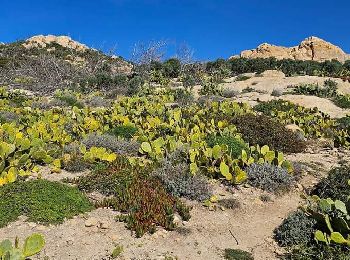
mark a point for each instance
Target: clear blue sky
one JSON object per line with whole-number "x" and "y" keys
{"x": 213, "y": 28}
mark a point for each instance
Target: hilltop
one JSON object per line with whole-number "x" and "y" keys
{"x": 312, "y": 48}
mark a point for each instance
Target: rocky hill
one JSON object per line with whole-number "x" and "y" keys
{"x": 46, "y": 63}
{"x": 312, "y": 48}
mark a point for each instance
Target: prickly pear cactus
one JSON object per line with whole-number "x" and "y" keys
{"x": 32, "y": 245}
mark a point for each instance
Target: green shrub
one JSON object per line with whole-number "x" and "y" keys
{"x": 269, "y": 177}
{"x": 342, "y": 101}
{"x": 237, "y": 254}
{"x": 279, "y": 105}
{"x": 296, "y": 229}
{"x": 262, "y": 130}
{"x": 242, "y": 78}
{"x": 172, "y": 68}
{"x": 125, "y": 131}
{"x": 235, "y": 145}
{"x": 317, "y": 252}
{"x": 41, "y": 201}
{"x": 343, "y": 122}
{"x": 335, "y": 185}
{"x": 69, "y": 99}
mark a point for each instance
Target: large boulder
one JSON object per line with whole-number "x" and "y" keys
{"x": 312, "y": 48}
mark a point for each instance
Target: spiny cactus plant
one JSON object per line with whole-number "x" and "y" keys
{"x": 32, "y": 246}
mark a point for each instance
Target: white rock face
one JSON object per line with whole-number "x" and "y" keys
{"x": 312, "y": 48}
{"x": 41, "y": 41}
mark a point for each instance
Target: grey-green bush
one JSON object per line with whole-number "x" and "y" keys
{"x": 296, "y": 229}
{"x": 179, "y": 182}
{"x": 269, "y": 177}
{"x": 112, "y": 143}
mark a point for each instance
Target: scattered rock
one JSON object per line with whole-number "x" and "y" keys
{"x": 91, "y": 222}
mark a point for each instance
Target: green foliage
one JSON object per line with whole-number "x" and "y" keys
{"x": 317, "y": 252}
{"x": 235, "y": 145}
{"x": 296, "y": 229}
{"x": 262, "y": 130}
{"x": 342, "y": 101}
{"x": 333, "y": 220}
{"x": 69, "y": 99}
{"x": 117, "y": 251}
{"x": 172, "y": 68}
{"x": 289, "y": 67}
{"x": 41, "y": 201}
{"x": 237, "y": 254}
{"x": 125, "y": 131}
{"x": 335, "y": 185}
{"x": 32, "y": 246}
{"x": 269, "y": 177}
{"x": 242, "y": 78}
{"x": 210, "y": 87}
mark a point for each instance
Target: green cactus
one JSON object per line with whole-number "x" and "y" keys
{"x": 32, "y": 246}
{"x": 333, "y": 219}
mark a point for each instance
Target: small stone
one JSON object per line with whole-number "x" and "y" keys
{"x": 70, "y": 242}
{"x": 31, "y": 224}
{"x": 104, "y": 225}
{"x": 114, "y": 237}
{"x": 41, "y": 228}
{"x": 222, "y": 208}
{"x": 91, "y": 222}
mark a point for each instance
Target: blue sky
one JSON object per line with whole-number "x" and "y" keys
{"x": 213, "y": 28}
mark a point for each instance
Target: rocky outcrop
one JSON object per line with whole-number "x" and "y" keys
{"x": 41, "y": 41}
{"x": 312, "y": 48}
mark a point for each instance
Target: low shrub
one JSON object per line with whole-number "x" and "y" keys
{"x": 183, "y": 96}
{"x": 335, "y": 185}
{"x": 242, "y": 78}
{"x": 112, "y": 143}
{"x": 125, "y": 131}
{"x": 277, "y": 92}
{"x": 278, "y": 105}
{"x": 143, "y": 199}
{"x": 269, "y": 177}
{"x": 262, "y": 130}
{"x": 75, "y": 163}
{"x": 230, "y": 93}
{"x": 235, "y": 145}
{"x": 237, "y": 254}
{"x": 69, "y": 99}
{"x": 41, "y": 201}
{"x": 179, "y": 182}
{"x": 317, "y": 252}
{"x": 8, "y": 117}
{"x": 296, "y": 229}
{"x": 98, "y": 101}
{"x": 146, "y": 205}
{"x": 343, "y": 122}
{"x": 342, "y": 101}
